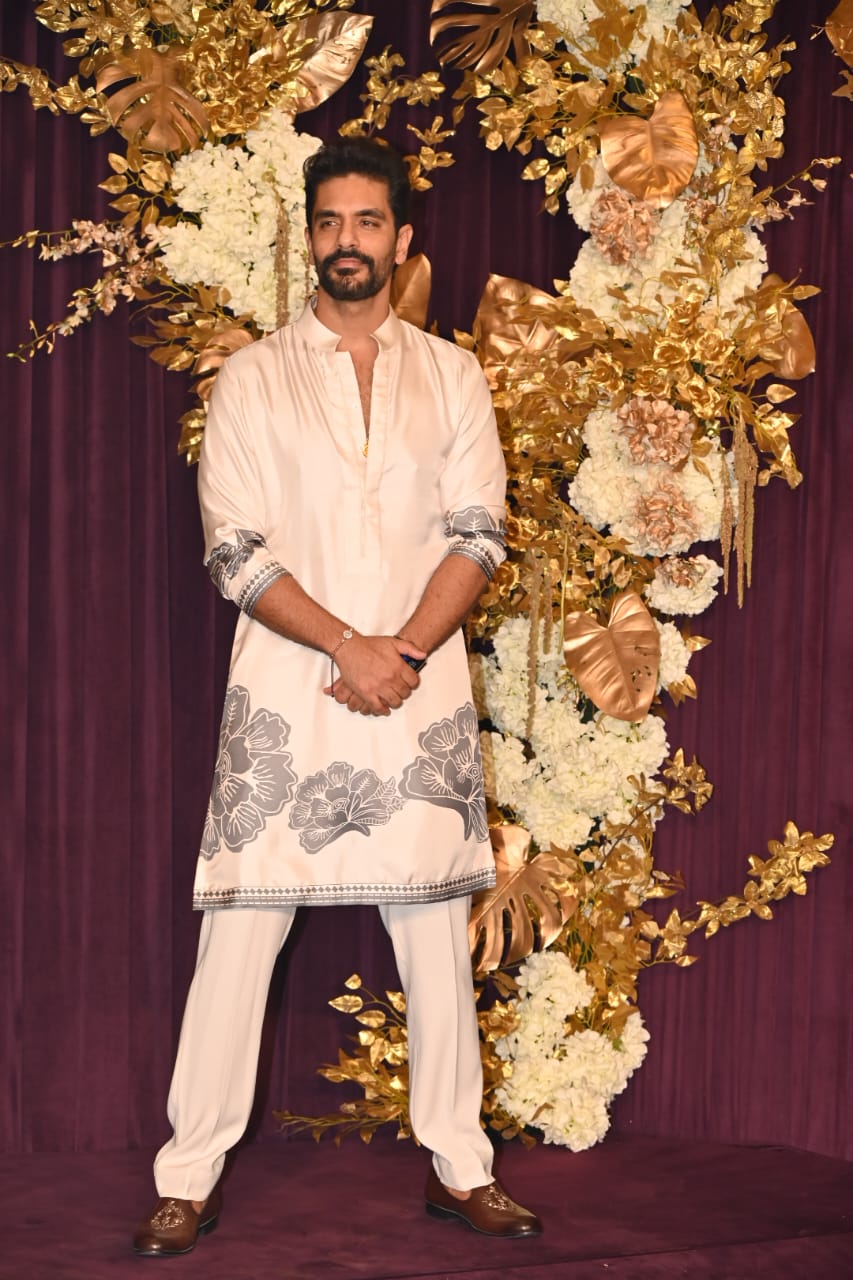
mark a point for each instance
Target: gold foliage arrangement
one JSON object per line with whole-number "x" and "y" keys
{"x": 686, "y": 361}
{"x": 692, "y": 119}
{"x": 171, "y": 77}
{"x": 606, "y": 932}
{"x": 648, "y": 134}
{"x": 218, "y": 66}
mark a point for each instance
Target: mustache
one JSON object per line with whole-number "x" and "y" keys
{"x": 348, "y": 253}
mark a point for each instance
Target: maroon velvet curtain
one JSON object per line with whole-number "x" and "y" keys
{"x": 117, "y": 651}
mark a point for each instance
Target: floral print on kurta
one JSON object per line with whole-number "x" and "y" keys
{"x": 450, "y": 772}
{"x": 339, "y": 799}
{"x": 253, "y": 778}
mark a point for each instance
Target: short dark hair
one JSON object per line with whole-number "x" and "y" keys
{"x": 359, "y": 155}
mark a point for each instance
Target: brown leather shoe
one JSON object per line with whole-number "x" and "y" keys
{"x": 487, "y": 1209}
{"x": 173, "y": 1226}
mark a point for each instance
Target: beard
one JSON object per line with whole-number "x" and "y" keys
{"x": 345, "y": 285}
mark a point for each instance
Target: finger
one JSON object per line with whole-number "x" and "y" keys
{"x": 405, "y": 646}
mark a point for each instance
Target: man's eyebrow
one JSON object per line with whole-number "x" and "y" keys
{"x": 359, "y": 213}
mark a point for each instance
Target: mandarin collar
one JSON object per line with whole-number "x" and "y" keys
{"x": 317, "y": 335}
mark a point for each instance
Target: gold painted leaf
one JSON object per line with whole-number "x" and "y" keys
{"x": 210, "y": 359}
{"x": 796, "y": 356}
{"x": 372, "y": 1018}
{"x": 839, "y": 28}
{"x": 653, "y": 159}
{"x": 616, "y": 666}
{"x": 526, "y": 891}
{"x": 479, "y": 31}
{"x": 778, "y": 393}
{"x": 353, "y": 982}
{"x": 397, "y": 1000}
{"x": 338, "y": 40}
{"x": 347, "y": 1004}
{"x": 155, "y": 109}
{"x": 410, "y": 290}
{"x": 506, "y": 322}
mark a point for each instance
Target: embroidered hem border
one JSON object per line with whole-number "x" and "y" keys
{"x": 342, "y": 894}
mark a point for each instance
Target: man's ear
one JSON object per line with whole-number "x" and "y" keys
{"x": 404, "y": 239}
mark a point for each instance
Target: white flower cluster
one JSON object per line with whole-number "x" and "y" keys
{"x": 593, "y": 276}
{"x": 658, "y": 510}
{"x": 579, "y": 770}
{"x": 562, "y": 1084}
{"x": 574, "y": 16}
{"x": 674, "y": 655}
{"x": 684, "y": 587}
{"x": 230, "y": 242}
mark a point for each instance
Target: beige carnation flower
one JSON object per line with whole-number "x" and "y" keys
{"x": 622, "y": 227}
{"x": 665, "y": 518}
{"x": 655, "y": 431}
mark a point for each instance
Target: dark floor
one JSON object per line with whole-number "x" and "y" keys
{"x": 636, "y": 1209}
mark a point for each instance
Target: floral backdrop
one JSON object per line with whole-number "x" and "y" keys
{"x": 639, "y": 405}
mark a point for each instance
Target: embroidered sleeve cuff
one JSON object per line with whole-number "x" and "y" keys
{"x": 476, "y": 533}
{"x": 242, "y": 568}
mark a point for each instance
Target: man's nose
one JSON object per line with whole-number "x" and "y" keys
{"x": 347, "y": 235}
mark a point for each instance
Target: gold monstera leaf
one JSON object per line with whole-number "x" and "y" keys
{"x": 221, "y": 344}
{"x": 540, "y": 882}
{"x": 480, "y": 31}
{"x": 337, "y": 42}
{"x": 410, "y": 289}
{"x": 616, "y": 666}
{"x": 155, "y": 108}
{"x": 796, "y": 349}
{"x": 839, "y": 28}
{"x": 652, "y": 159}
{"x": 507, "y": 322}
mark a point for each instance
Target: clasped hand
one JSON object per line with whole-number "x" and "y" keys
{"x": 374, "y": 680}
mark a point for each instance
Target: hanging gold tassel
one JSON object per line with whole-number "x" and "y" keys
{"x": 551, "y": 580}
{"x": 746, "y": 474}
{"x": 535, "y": 593}
{"x": 739, "y": 533}
{"x": 727, "y": 526}
{"x": 282, "y": 267}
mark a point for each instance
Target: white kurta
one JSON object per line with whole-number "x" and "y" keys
{"x": 310, "y": 802}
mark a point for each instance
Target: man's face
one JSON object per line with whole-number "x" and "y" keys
{"x": 352, "y": 241}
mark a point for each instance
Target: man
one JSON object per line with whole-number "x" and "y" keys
{"x": 352, "y": 493}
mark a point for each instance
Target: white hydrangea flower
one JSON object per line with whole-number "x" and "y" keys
{"x": 573, "y": 18}
{"x": 578, "y": 770}
{"x": 235, "y": 193}
{"x": 611, "y": 491}
{"x": 674, "y": 655}
{"x": 563, "y": 1083}
{"x": 693, "y": 594}
{"x": 592, "y": 277}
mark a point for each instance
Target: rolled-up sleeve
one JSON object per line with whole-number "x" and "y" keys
{"x": 474, "y": 479}
{"x": 232, "y": 502}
